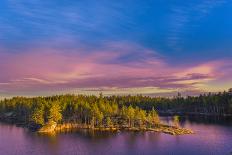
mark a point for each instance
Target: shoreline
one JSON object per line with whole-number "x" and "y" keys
{"x": 162, "y": 113}
{"x": 66, "y": 127}
{"x": 162, "y": 128}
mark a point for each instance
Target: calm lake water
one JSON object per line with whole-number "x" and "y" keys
{"x": 211, "y": 138}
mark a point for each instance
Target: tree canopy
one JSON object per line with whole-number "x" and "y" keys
{"x": 111, "y": 110}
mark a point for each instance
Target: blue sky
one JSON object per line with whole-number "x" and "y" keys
{"x": 178, "y": 33}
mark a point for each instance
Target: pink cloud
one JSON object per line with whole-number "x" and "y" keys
{"x": 43, "y": 68}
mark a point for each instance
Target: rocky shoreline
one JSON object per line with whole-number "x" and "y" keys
{"x": 52, "y": 127}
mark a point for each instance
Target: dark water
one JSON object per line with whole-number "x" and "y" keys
{"x": 212, "y": 137}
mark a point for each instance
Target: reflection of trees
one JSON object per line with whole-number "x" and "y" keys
{"x": 218, "y": 120}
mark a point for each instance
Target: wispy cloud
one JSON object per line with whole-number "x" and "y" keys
{"x": 186, "y": 17}
{"x": 107, "y": 46}
{"x": 50, "y": 68}
{"x": 83, "y": 20}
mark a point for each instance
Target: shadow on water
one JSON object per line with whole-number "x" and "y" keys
{"x": 90, "y": 134}
{"x": 219, "y": 120}
{"x": 207, "y": 120}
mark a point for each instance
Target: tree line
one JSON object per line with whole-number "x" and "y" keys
{"x": 110, "y": 111}
{"x": 86, "y": 110}
{"x": 209, "y": 104}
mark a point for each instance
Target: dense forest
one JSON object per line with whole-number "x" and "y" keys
{"x": 132, "y": 111}
{"x": 87, "y": 110}
{"x": 205, "y": 104}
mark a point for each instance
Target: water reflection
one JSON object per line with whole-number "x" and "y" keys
{"x": 214, "y": 136}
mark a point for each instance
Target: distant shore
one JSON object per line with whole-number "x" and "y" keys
{"x": 165, "y": 113}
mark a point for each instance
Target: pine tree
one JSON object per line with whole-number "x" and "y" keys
{"x": 130, "y": 115}
{"x": 155, "y": 117}
{"x": 109, "y": 123}
{"x": 176, "y": 121}
{"x": 37, "y": 116}
{"x": 55, "y": 112}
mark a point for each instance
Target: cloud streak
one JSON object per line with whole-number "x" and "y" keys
{"x": 50, "y": 68}
{"x": 187, "y": 17}
{"x": 125, "y": 46}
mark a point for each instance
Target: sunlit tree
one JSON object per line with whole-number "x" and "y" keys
{"x": 55, "y": 112}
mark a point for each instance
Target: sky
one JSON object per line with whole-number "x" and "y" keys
{"x": 148, "y": 47}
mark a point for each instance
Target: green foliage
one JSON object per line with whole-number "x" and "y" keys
{"x": 109, "y": 123}
{"x": 38, "y": 116}
{"x": 154, "y": 117}
{"x": 176, "y": 121}
{"x": 130, "y": 114}
{"x": 128, "y": 111}
{"x": 140, "y": 116}
{"x": 149, "y": 120}
{"x": 55, "y": 112}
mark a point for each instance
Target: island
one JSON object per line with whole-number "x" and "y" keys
{"x": 75, "y": 112}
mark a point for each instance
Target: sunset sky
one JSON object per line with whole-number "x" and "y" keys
{"x": 149, "y": 47}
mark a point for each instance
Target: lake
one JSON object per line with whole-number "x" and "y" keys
{"x": 213, "y": 137}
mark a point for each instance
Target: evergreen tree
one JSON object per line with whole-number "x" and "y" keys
{"x": 155, "y": 117}
{"x": 37, "y": 116}
{"x": 109, "y": 123}
{"x": 176, "y": 121}
{"x": 55, "y": 112}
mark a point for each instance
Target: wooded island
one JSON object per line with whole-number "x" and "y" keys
{"x": 113, "y": 113}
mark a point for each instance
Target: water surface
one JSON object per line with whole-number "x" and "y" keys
{"x": 213, "y": 137}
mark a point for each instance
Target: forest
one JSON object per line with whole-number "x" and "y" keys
{"x": 218, "y": 104}
{"x": 87, "y": 110}
{"x": 110, "y": 111}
